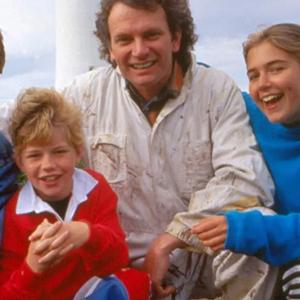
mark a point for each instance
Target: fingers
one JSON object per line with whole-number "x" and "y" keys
{"x": 207, "y": 224}
{"x": 163, "y": 291}
{"x": 212, "y": 231}
{"x": 216, "y": 243}
{"x": 41, "y": 246}
{"x": 52, "y": 230}
{"x": 56, "y": 255}
{"x": 60, "y": 240}
{"x": 39, "y": 230}
{"x": 45, "y": 230}
{"x": 51, "y": 243}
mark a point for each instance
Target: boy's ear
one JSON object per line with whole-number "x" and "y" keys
{"x": 79, "y": 152}
{"x": 18, "y": 161}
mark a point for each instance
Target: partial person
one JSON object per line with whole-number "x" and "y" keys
{"x": 8, "y": 169}
{"x": 173, "y": 139}
{"x": 61, "y": 231}
{"x": 272, "y": 57}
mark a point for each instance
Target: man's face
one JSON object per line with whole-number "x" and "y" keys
{"x": 142, "y": 46}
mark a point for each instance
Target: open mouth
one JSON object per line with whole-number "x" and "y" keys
{"x": 270, "y": 99}
{"x": 143, "y": 65}
{"x": 50, "y": 178}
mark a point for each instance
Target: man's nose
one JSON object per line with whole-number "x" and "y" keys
{"x": 140, "y": 48}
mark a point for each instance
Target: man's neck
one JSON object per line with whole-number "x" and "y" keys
{"x": 152, "y": 106}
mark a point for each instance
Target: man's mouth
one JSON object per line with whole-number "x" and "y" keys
{"x": 143, "y": 65}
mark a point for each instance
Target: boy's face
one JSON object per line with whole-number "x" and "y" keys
{"x": 50, "y": 167}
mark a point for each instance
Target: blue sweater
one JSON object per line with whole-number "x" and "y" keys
{"x": 275, "y": 239}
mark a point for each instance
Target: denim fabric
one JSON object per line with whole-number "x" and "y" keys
{"x": 8, "y": 176}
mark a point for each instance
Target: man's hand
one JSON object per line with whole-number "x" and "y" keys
{"x": 212, "y": 231}
{"x": 157, "y": 263}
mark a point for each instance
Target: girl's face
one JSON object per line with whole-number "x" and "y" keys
{"x": 274, "y": 82}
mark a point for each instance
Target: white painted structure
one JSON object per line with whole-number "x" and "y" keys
{"x": 76, "y": 45}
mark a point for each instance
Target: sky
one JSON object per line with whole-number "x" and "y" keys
{"x": 222, "y": 25}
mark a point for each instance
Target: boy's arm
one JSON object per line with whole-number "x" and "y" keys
{"x": 105, "y": 250}
{"x": 274, "y": 239}
{"x": 21, "y": 284}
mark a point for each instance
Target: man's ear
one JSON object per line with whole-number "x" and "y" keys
{"x": 177, "y": 41}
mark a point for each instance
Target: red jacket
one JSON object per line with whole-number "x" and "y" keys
{"x": 104, "y": 253}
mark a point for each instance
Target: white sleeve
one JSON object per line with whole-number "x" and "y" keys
{"x": 241, "y": 179}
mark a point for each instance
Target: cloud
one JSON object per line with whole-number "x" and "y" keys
{"x": 28, "y": 28}
{"x": 224, "y": 54}
{"x": 223, "y": 25}
{"x": 29, "y": 32}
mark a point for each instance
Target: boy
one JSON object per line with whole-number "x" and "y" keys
{"x": 61, "y": 229}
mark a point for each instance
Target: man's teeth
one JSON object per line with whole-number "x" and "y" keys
{"x": 143, "y": 66}
{"x": 271, "y": 98}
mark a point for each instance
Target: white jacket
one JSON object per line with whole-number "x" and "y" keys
{"x": 200, "y": 156}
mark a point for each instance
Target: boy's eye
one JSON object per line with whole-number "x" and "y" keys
{"x": 32, "y": 156}
{"x": 61, "y": 151}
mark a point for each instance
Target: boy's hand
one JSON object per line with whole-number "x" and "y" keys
{"x": 48, "y": 246}
{"x": 212, "y": 231}
{"x": 79, "y": 233}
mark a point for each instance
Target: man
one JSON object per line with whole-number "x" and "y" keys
{"x": 173, "y": 139}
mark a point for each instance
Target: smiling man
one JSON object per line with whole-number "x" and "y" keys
{"x": 172, "y": 138}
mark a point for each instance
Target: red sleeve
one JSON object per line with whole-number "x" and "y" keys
{"x": 106, "y": 250}
{"x": 22, "y": 284}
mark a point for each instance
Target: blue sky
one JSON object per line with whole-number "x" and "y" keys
{"x": 29, "y": 31}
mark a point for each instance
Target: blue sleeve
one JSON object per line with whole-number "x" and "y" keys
{"x": 8, "y": 170}
{"x": 8, "y": 176}
{"x": 274, "y": 239}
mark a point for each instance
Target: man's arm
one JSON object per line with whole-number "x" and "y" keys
{"x": 241, "y": 179}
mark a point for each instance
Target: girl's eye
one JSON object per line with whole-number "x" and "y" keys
{"x": 276, "y": 69}
{"x": 252, "y": 76}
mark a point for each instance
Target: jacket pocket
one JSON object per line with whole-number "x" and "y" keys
{"x": 197, "y": 169}
{"x": 108, "y": 156}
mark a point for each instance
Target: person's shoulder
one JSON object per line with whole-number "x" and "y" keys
{"x": 95, "y": 75}
{"x": 210, "y": 76}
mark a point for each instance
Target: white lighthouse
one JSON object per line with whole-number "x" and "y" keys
{"x": 76, "y": 45}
